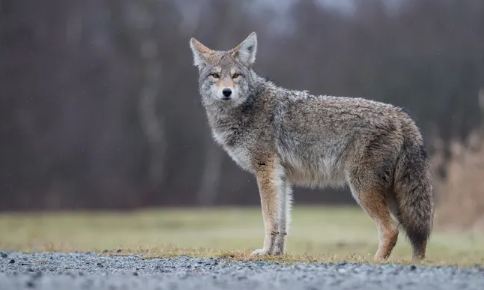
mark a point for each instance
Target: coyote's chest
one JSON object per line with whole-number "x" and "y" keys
{"x": 237, "y": 151}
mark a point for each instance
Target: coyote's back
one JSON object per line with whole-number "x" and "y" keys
{"x": 290, "y": 137}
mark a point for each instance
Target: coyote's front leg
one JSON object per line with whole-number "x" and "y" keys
{"x": 274, "y": 204}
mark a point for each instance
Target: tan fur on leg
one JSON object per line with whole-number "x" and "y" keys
{"x": 374, "y": 204}
{"x": 270, "y": 182}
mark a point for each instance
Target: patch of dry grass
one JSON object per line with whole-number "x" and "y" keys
{"x": 320, "y": 234}
{"x": 461, "y": 194}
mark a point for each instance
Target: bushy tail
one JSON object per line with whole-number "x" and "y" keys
{"x": 413, "y": 190}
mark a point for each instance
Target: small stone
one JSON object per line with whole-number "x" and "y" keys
{"x": 3, "y": 255}
{"x": 100, "y": 265}
{"x": 12, "y": 261}
{"x": 413, "y": 268}
{"x": 135, "y": 274}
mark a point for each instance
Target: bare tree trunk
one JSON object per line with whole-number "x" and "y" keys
{"x": 142, "y": 35}
{"x": 208, "y": 190}
{"x": 152, "y": 123}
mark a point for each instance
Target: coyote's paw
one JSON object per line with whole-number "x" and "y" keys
{"x": 277, "y": 251}
{"x": 260, "y": 252}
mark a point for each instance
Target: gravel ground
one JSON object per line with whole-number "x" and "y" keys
{"x": 90, "y": 271}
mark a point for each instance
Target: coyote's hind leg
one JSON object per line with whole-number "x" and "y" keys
{"x": 374, "y": 204}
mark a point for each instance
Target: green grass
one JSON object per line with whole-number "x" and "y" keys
{"x": 317, "y": 234}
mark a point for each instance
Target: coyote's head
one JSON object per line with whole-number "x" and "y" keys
{"x": 225, "y": 76}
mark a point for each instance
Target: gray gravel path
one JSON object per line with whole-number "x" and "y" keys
{"x": 90, "y": 271}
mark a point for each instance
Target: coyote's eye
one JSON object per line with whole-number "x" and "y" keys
{"x": 236, "y": 75}
{"x": 215, "y": 75}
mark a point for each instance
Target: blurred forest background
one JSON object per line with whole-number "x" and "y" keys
{"x": 99, "y": 102}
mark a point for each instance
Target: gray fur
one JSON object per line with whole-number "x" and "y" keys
{"x": 320, "y": 140}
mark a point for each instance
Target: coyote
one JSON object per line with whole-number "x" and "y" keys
{"x": 286, "y": 137}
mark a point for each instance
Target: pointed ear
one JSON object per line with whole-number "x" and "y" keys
{"x": 245, "y": 52}
{"x": 200, "y": 52}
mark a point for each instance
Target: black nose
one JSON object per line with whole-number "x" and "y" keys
{"x": 227, "y": 92}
